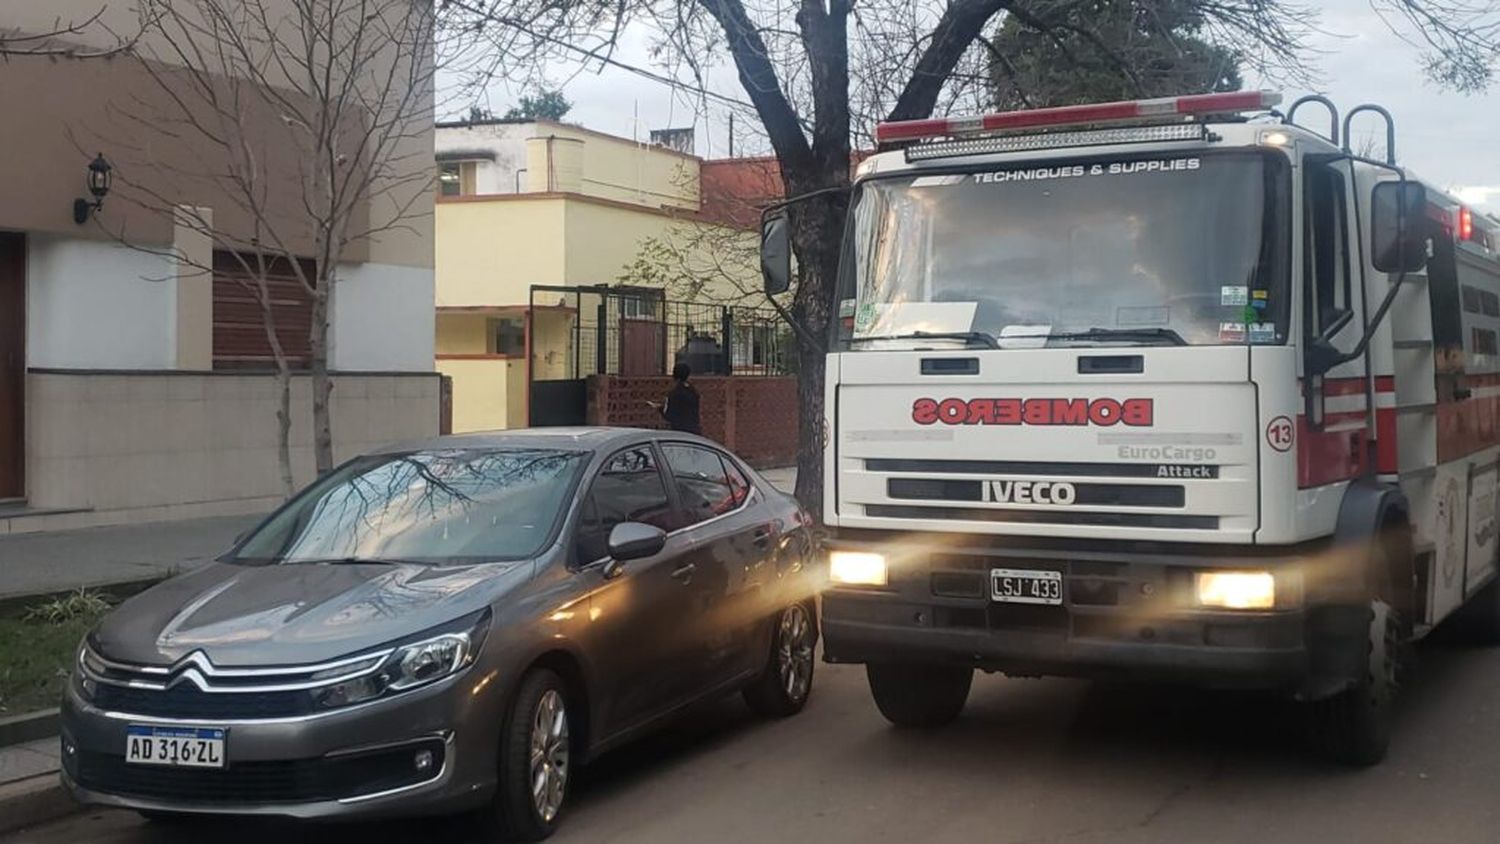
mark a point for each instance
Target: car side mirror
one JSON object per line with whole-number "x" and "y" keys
{"x": 775, "y": 253}
{"x": 634, "y": 541}
{"x": 1398, "y": 215}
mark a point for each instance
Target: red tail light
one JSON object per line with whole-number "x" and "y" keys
{"x": 940, "y": 127}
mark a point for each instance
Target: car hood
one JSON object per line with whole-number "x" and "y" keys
{"x": 295, "y": 614}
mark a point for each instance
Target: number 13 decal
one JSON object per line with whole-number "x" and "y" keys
{"x": 1281, "y": 433}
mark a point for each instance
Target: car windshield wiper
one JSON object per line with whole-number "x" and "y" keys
{"x": 1139, "y": 334}
{"x": 352, "y": 561}
{"x": 980, "y": 337}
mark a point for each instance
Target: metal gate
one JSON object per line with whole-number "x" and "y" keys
{"x": 576, "y": 332}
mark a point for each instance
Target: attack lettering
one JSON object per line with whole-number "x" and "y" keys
{"x": 1102, "y": 413}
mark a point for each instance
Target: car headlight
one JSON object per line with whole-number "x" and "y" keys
{"x": 412, "y": 665}
{"x": 1237, "y": 590}
{"x": 857, "y": 568}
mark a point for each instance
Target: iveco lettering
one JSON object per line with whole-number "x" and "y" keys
{"x": 1182, "y": 389}
{"x": 449, "y": 626}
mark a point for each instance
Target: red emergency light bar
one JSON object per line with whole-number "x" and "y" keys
{"x": 1465, "y": 223}
{"x": 1233, "y": 102}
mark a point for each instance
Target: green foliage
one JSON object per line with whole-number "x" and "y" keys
{"x": 1106, "y": 50}
{"x": 544, "y": 105}
{"x": 82, "y": 603}
{"x": 37, "y": 649}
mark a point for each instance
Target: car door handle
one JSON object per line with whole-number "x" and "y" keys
{"x": 684, "y": 573}
{"x": 761, "y": 538}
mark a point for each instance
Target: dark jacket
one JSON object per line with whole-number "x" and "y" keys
{"x": 681, "y": 409}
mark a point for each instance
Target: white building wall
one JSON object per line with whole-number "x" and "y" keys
{"x": 506, "y": 142}
{"x": 98, "y": 305}
{"x": 383, "y": 319}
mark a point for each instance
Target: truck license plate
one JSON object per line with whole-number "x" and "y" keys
{"x": 1022, "y": 586}
{"x": 177, "y": 747}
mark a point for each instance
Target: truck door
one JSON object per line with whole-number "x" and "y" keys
{"x": 1334, "y": 427}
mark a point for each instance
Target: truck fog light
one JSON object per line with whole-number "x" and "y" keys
{"x": 1237, "y": 590}
{"x": 857, "y": 568}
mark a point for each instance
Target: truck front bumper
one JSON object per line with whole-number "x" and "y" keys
{"x": 1128, "y": 611}
{"x": 1209, "y": 649}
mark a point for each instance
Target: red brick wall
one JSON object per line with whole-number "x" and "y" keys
{"x": 755, "y": 418}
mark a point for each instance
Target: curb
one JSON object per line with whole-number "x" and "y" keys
{"x": 119, "y": 590}
{"x": 34, "y": 801}
{"x": 32, "y": 726}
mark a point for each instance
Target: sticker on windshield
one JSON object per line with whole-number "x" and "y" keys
{"x": 1075, "y": 171}
{"x": 1235, "y": 295}
{"x": 864, "y": 316}
{"x": 1262, "y": 332}
{"x": 1231, "y": 332}
{"x": 937, "y": 181}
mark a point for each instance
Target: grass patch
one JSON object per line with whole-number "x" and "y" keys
{"x": 37, "y": 646}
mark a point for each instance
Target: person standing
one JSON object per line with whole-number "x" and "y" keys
{"x": 681, "y": 406}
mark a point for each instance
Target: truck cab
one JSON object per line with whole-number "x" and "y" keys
{"x": 1113, "y": 392}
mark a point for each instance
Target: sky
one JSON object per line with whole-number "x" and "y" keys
{"x": 1450, "y": 140}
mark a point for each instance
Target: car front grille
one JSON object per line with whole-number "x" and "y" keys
{"x": 250, "y": 783}
{"x": 185, "y": 700}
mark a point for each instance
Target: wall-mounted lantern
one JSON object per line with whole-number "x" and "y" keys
{"x": 99, "y": 181}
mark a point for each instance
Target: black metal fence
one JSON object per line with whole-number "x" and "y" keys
{"x": 581, "y": 331}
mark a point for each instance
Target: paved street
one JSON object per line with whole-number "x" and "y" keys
{"x": 1031, "y": 761}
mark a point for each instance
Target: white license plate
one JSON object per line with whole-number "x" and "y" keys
{"x": 177, "y": 747}
{"x": 1024, "y": 586}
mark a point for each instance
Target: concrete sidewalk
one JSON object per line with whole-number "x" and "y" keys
{"x": 53, "y": 561}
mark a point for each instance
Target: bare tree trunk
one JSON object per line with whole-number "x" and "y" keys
{"x": 284, "y": 427}
{"x": 322, "y": 385}
{"x": 817, "y": 225}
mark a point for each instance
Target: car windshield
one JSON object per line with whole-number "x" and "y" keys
{"x": 1158, "y": 251}
{"x": 434, "y": 507}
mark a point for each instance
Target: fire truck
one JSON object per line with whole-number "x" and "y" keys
{"x": 1179, "y": 389}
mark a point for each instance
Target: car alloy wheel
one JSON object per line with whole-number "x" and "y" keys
{"x": 794, "y": 652}
{"x": 549, "y": 755}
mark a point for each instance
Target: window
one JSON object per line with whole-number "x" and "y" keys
{"x": 508, "y": 336}
{"x": 239, "y": 329}
{"x": 1484, "y": 341}
{"x": 1327, "y": 248}
{"x": 437, "y": 507}
{"x": 456, "y": 178}
{"x": 628, "y": 488}
{"x": 1472, "y": 300}
{"x": 703, "y": 483}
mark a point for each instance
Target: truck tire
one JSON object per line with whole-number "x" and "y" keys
{"x": 1353, "y": 727}
{"x": 916, "y": 695}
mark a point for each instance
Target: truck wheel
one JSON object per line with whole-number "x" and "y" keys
{"x": 915, "y": 695}
{"x": 1354, "y": 726}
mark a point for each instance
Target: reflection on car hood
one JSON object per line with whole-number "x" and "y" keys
{"x": 295, "y": 614}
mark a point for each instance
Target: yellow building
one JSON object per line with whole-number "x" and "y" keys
{"x": 539, "y": 203}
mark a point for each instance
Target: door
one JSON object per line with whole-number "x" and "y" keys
{"x": 732, "y": 552}
{"x": 647, "y": 620}
{"x": 12, "y": 365}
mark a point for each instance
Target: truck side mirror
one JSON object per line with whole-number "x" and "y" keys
{"x": 775, "y": 253}
{"x": 1398, "y": 215}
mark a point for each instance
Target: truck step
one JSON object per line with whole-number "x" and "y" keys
{"x": 1412, "y": 344}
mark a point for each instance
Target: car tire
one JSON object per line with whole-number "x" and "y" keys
{"x": 1354, "y": 726}
{"x": 915, "y": 695}
{"x": 782, "y": 689}
{"x": 532, "y": 789}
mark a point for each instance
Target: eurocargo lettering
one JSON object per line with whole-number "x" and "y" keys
{"x": 1139, "y": 366}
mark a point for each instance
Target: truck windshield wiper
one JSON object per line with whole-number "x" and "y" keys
{"x": 980, "y": 337}
{"x": 1140, "y": 334}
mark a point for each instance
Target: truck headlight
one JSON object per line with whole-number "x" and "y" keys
{"x": 1237, "y": 590}
{"x": 857, "y": 568}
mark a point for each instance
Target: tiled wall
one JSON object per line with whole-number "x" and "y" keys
{"x": 140, "y": 447}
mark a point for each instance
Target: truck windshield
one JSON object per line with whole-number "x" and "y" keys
{"x": 1125, "y": 252}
